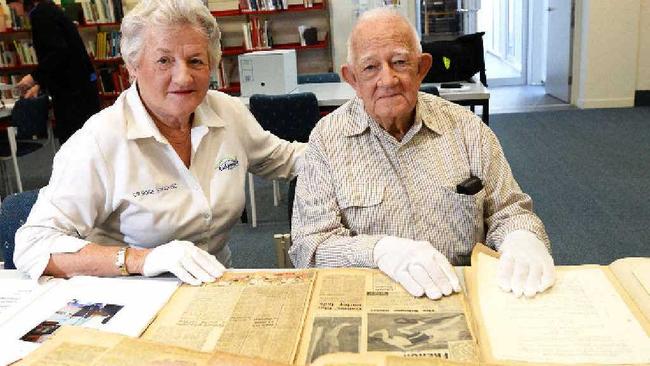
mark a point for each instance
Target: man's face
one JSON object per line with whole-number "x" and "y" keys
{"x": 387, "y": 69}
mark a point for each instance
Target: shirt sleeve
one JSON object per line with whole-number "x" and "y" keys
{"x": 67, "y": 208}
{"x": 269, "y": 156}
{"x": 319, "y": 238}
{"x": 506, "y": 208}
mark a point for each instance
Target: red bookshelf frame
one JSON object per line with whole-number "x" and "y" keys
{"x": 292, "y": 8}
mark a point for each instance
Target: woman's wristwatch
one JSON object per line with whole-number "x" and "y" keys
{"x": 120, "y": 261}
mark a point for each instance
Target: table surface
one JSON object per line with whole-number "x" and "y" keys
{"x": 336, "y": 94}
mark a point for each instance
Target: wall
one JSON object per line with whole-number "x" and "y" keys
{"x": 643, "y": 75}
{"x": 608, "y": 53}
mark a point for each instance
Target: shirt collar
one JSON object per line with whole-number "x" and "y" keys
{"x": 141, "y": 125}
{"x": 426, "y": 111}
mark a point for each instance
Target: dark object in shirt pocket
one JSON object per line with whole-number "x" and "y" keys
{"x": 470, "y": 186}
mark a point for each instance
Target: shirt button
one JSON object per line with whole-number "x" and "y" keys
{"x": 206, "y": 215}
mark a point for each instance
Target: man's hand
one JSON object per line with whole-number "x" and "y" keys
{"x": 417, "y": 266}
{"x": 25, "y": 84}
{"x": 182, "y": 258}
{"x": 525, "y": 267}
{"x": 32, "y": 92}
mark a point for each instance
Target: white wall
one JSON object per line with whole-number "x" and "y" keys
{"x": 643, "y": 75}
{"x": 608, "y": 55}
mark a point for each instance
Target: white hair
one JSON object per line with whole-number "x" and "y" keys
{"x": 164, "y": 13}
{"x": 381, "y": 13}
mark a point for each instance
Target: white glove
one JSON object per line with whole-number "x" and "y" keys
{"x": 417, "y": 266}
{"x": 525, "y": 265}
{"x": 182, "y": 258}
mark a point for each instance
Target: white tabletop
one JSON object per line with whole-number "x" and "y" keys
{"x": 336, "y": 94}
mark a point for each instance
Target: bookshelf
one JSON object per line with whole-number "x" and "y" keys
{"x": 312, "y": 58}
{"x": 283, "y": 31}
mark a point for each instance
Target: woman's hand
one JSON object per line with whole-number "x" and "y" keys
{"x": 187, "y": 262}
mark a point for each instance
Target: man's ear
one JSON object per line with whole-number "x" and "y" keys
{"x": 424, "y": 65}
{"x": 348, "y": 75}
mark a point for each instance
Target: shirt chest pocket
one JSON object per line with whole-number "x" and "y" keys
{"x": 456, "y": 221}
{"x": 362, "y": 206}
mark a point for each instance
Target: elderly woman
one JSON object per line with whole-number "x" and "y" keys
{"x": 155, "y": 182}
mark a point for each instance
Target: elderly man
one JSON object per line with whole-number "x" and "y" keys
{"x": 409, "y": 182}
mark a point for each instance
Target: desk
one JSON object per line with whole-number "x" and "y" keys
{"x": 336, "y": 94}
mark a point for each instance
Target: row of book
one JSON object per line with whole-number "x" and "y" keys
{"x": 17, "y": 52}
{"x": 113, "y": 79}
{"x": 219, "y": 79}
{"x": 257, "y": 35}
{"x": 99, "y": 11}
{"x": 255, "y": 5}
{"x": 106, "y": 45}
{"x": 12, "y": 16}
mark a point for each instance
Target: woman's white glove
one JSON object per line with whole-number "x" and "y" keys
{"x": 417, "y": 266}
{"x": 525, "y": 267}
{"x": 182, "y": 258}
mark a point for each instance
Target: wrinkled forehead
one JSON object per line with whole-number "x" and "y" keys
{"x": 387, "y": 36}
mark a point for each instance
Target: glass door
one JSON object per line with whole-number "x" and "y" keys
{"x": 505, "y": 25}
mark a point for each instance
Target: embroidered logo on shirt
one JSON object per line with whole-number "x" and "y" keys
{"x": 155, "y": 190}
{"x": 228, "y": 163}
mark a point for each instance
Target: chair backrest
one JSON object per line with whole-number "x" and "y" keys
{"x": 30, "y": 116}
{"x": 288, "y": 116}
{"x": 13, "y": 213}
{"x": 431, "y": 89}
{"x": 456, "y": 60}
{"x": 326, "y": 77}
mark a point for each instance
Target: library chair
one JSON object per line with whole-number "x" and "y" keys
{"x": 288, "y": 116}
{"x": 13, "y": 214}
{"x": 430, "y": 89}
{"x": 326, "y": 77}
{"x": 29, "y": 124}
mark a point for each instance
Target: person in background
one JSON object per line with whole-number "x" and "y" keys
{"x": 155, "y": 182}
{"x": 64, "y": 68}
{"x": 408, "y": 182}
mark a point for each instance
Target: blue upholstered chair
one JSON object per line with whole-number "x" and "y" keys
{"x": 431, "y": 89}
{"x": 326, "y": 77}
{"x": 13, "y": 213}
{"x": 288, "y": 116}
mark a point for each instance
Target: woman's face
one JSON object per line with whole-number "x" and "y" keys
{"x": 173, "y": 73}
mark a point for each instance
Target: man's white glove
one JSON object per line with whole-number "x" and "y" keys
{"x": 525, "y": 267}
{"x": 182, "y": 258}
{"x": 417, "y": 266}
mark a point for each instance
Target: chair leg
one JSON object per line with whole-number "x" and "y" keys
{"x": 251, "y": 194}
{"x": 276, "y": 193}
{"x": 13, "y": 147}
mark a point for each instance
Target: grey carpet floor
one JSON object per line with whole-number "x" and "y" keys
{"x": 588, "y": 172}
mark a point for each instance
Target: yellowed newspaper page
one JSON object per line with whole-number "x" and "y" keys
{"x": 583, "y": 318}
{"x": 363, "y": 310}
{"x": 247, "y": 313}
{"x": 382, "y": 359}
{"x": 72, "y": 346}
{"x": 634, "y": 276}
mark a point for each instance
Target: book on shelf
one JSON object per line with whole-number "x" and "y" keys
{"x": 12, "y": 80}
{"x": 592, "y": 315}
{"x": 105, "y": 46}
{"x": 113, "y": 79}
{"x": 257, "y": 35}
{"x": 223, "y": 5}
{"x": 101, "y": 11}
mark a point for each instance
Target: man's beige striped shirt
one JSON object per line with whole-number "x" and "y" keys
{"x": 358, "y": 184}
